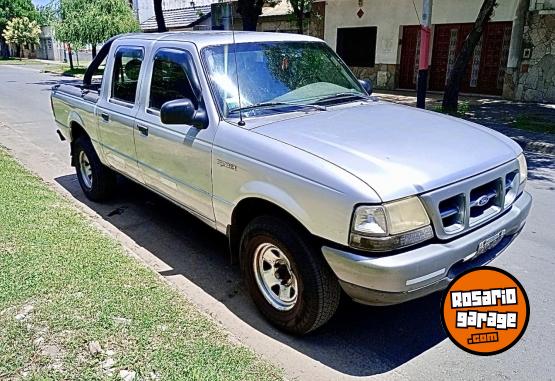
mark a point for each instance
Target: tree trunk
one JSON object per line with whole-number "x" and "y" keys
{"x": 4, "y": 49}
{"x": 69, "y": 56}
{"x": 453, "y": 86}
{"x": 159, "y": 14}
{"x": 299, "y": 7}
{"x": 249, "y": 11}
{"x": 20, "y": 51}
{"x": 250, "y": 21}
{"x": 300, "y": 22}
{"x": 93, "y": 51}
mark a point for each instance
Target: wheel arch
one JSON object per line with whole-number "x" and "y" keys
{"x": 74, "y": 120}
{"x": 76, "y": 131}
{"x": 249, "y": 208}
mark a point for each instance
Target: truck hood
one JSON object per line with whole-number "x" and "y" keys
{"x": 397, "y": 150}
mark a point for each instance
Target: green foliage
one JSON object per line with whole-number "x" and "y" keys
{"x": 84, "y": 287}
{"x": 85, "y": 22}
{"x": 21, "y": 31}
{"x": 463, "y": 108}
{"x": 535, "y": 123}
{"x": 295, "y": 66}
{"x": 48, "y": 14}
{"x": 300, "y": 9}
{"x": 10, "y": 9}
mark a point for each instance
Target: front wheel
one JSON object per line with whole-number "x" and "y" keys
{"x": 289, "y": 281}
{"x": 97, "y": 181}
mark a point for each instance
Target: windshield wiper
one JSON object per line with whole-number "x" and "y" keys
{"x": 274, "y": 104}
{"x": 341, "y": 96}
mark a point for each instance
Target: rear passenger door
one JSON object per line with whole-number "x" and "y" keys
{"x": 174, "y": 159}
{"x": 116, "y": 110}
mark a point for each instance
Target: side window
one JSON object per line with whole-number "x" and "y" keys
{"x": 171, "y": 75}
{"x": 127, "y": 66}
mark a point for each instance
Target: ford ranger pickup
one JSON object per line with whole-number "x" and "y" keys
{"x": 321, "y": 188}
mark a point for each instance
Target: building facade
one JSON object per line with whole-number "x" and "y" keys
{"x": 213, "y": 14}
{"x": 381, "y": 41}
{"x": 187, "y": 18}
{"x": 49, "y": 48}
{"x": 145, "y": 8}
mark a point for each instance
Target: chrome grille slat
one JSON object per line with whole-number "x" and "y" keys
{"x": 449, "y": 212}
{"x": 470, "y": 203}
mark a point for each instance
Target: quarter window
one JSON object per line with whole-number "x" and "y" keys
{"x": 127, "y": 66}
{"x": 171, "y": 78}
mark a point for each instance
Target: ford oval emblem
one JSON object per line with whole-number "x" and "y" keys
{"x": 482, "y": 200}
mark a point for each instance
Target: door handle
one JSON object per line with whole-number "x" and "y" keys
{"x": 142, "y": 129}
{"x": 105, "y": 117}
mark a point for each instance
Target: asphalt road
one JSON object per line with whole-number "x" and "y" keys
{"x": 400, "y": 342}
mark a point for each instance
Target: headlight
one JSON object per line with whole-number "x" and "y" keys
{"x": 523, "y": 170}
{"x": 390, "y": 226}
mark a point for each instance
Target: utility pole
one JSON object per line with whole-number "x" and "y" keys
{"x": 425, "y": 32}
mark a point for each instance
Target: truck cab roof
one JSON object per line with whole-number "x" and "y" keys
{"x": 217, "y": 37}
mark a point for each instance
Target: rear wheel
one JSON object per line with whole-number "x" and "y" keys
{"x": 97, "y": 181}
{"x": 289, "y": 281}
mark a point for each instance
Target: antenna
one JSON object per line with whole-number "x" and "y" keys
{"x": 241, "y": 121}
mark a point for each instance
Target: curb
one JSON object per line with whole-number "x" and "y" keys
{"x": 58, "y": 73}
{"x": 534, "y": 145}
{"x": 533, "y": 142}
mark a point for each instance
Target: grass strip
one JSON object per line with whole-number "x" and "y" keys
{"x": 64, "y": 285}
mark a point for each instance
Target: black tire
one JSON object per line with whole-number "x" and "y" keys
{"x": 318, "y": 288}
{"x": 103, "y": 178}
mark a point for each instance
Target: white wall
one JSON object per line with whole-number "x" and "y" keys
{"x": 145, "y": 8}
{"x": 389, "y": 15}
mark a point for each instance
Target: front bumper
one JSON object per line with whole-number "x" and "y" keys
{"x": 414, "y": 273}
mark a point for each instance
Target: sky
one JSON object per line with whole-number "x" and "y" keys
{"x": 41, "y": 2}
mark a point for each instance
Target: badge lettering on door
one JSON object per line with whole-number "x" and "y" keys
{"x": 226, "y": 164}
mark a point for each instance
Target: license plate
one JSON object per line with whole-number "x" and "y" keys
{"x": 490, "y": 243}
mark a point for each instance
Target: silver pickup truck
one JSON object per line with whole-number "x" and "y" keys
{"x": 321, "y": 188}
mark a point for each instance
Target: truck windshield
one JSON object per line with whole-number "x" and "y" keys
{"x": 278, "y": 77}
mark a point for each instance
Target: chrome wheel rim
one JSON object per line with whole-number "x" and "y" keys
{"x": 274, "y": 277}
{"x": 85, "y": 169}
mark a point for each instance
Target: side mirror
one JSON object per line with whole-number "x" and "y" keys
{"x": 366, "y": 85}
{"x": 182, "y": 111}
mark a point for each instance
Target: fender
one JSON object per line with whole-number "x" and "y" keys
{"x": 74, "y": 117}
{"x": 254, "y": 190}
{"x": 275, "y": 195}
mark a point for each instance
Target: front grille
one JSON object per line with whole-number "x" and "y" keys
{"x": 452, "y": 212}
{"x": 485, "y": 201}
{"x": 511, "y": 187}
{"x": 465, "y": 205}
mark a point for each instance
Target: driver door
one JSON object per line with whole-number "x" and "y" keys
{"x": 175, "y": 160}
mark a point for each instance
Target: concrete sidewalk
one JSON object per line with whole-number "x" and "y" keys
{"x": 496, "y": 113}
